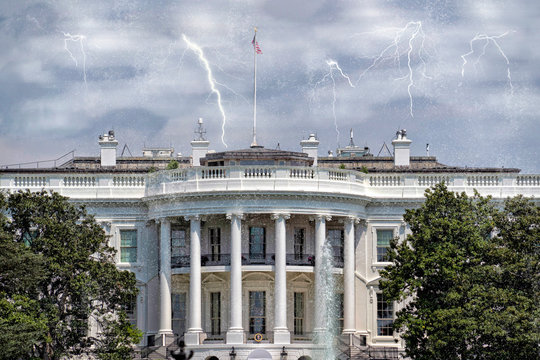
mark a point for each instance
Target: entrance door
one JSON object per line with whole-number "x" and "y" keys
{"x": 259, "y": 354}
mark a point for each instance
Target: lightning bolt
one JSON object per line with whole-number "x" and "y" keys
{"x": 198, "y": 51}
{"x": 78, "y": 39}
{"x": 332, "y": 64}
{"x": 410, "y": 33}
{"x": 487, "y": 40}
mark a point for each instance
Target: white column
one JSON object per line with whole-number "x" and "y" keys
{"x": 192, "y": 337}
{"x": 281, "y": 333}
{"x": 348, "y": 277}
{"x": 235, "y": 334}
{"x": 320, "y": 306}
{"x": 165, "y": 311}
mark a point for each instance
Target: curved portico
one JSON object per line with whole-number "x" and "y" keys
{"x": 271, "y": 211}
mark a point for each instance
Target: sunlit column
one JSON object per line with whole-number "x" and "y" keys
{"x": 192, "y": 336}
{"x": 165, "y": 318}
{"x": 348, "y": 277}
{"x": 320, "y": 306}
{"x": 281, "y": 333}
{"x": 235, "y": 334}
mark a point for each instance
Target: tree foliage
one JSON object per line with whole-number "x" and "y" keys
{"x": 60, "y": 279}
{"x": 468, "y": 276}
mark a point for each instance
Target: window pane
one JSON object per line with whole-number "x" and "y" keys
{"x": 179, "y": 313}
{"x": 257, "y": 244}
{"x": 385, "y": 312}
{"x": 128, "y": 245}
{"x": 257, "y": 312}
{"x": 299, "y": 243}
{"x": 383, "y": 243}
{"x": 179, "y": 243}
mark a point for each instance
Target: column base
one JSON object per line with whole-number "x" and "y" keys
{"x": 282, "y": 337}
{"x": 235, "y": 337}
{"x": 167, "y": 337}
{"x": 194, "y": 337}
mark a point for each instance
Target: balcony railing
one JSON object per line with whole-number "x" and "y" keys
{"x": 183, "y": 261}
{"x": 258, "y": 259}
{"x": 301, "y": 259}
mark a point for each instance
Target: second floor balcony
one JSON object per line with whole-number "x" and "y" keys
{"x": 183, "y": 261}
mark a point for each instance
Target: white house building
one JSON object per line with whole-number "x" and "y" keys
{"x": 227, "y": 247}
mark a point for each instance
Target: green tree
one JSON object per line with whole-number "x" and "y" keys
{"x": 468, "y": 278}
{"x": 173, "y": 164}
{"x": 77, "y": 279}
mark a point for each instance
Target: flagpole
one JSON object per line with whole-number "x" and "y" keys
{"x": 254, "y": 143}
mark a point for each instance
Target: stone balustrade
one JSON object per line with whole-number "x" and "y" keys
{"x": 270, "y": 178}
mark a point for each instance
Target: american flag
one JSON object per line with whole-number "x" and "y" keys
{"x": 256, "y": 45}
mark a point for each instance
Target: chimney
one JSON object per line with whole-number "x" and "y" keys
{"x": 402, "y": 149}
{"x": 199, "y": 146}
{"x": 311, "y": 147}
{"x": 108, "y": 145}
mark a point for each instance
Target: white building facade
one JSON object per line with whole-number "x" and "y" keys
{"x": 226, "y": 253}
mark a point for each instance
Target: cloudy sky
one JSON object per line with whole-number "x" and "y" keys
{"x": 463, "y": 76}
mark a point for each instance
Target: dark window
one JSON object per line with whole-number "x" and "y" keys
{"x": 385, "y": 314}
{"x": 383, "y": 243}
{"x": 299, "y": 243}
{"x": 131, "y": 310}
{"x": 299, "y": 313}
{"x": 340, "y": 313}
{"x": 128, "y": 245}
{"x": 257, "y": 312}
{"x": 179, "y": 242}
{"x": 215, "y": 312}
{"x": 215, "y": 243}
{"x": 257, "y": 243}
{"x": 179, "y": 313}
{"x": 335, "y": 237}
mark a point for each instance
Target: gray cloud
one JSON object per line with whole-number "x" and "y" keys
{"x": 142, "y": 80}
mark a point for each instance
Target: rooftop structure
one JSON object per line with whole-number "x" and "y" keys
{"x": 227, "y": 248}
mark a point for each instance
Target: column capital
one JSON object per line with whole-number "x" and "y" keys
{"x": 162, "y": 219}
{"x": 241, "y": 216}
{"x": 276, "y": 216}
{"x": 349, "y": 219}
{"x": 320, "y": 217}
{"x": 192, "y": 217}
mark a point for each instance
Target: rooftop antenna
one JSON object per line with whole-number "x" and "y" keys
{"x": 126, "y": 147}
{"x": 351, "y": 143}
{"x": 256, "y": 50}
{"x": 427, "y": 149}
{"x": 200, "y": 131}
{"x": 277, "y": 147}
{"x": 384, "y": 146}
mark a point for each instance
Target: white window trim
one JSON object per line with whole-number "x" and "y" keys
{"x": 118, "y": 243}
{"x": 381, "y": 338}
{"x": 374, "y": 228}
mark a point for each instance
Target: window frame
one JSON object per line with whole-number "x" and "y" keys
{"x": 214, "y": 233}
{"x": 299, "y": 255}
{"x": 387, "y": 327}
{"x": 253, "y": 317}
{"x": 183, "y": 311}
{"x": 375, "y": 230}
{"x": 215, "y": 329}
{"x": 339, "y": 247}
{"x": 251, "y": 243}
{"x": 296, "y": 317}
{"x": 120, "y": 246}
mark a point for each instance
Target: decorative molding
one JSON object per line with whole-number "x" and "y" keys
{"x": 229, "y": 216}
{"x": 192, "y": 217}
{"x": 320, "y": 216}
{"x": 276, "y": 216}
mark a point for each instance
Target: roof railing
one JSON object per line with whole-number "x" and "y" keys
{"x": 37, "y": 163}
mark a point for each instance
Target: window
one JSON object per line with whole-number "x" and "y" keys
{"x": 214, "y": 235}
{"x": 383, "y": 243}
{"x": 385, "y": 313}
{"x": 341, "y": 318}
{"x": 131, "y": 310}
{"x": 215, "y": 313}
{"x": 335, "y": 237}
{"x": 257, "y": 243}
{"x": 257, "y": 312}
{"x": 299, "y": 243}
{"x": 179, "y": 313}
{"x": 299, "y": 313}
{"x": 128, "y": 245}
{"x": 179, "y": 243}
